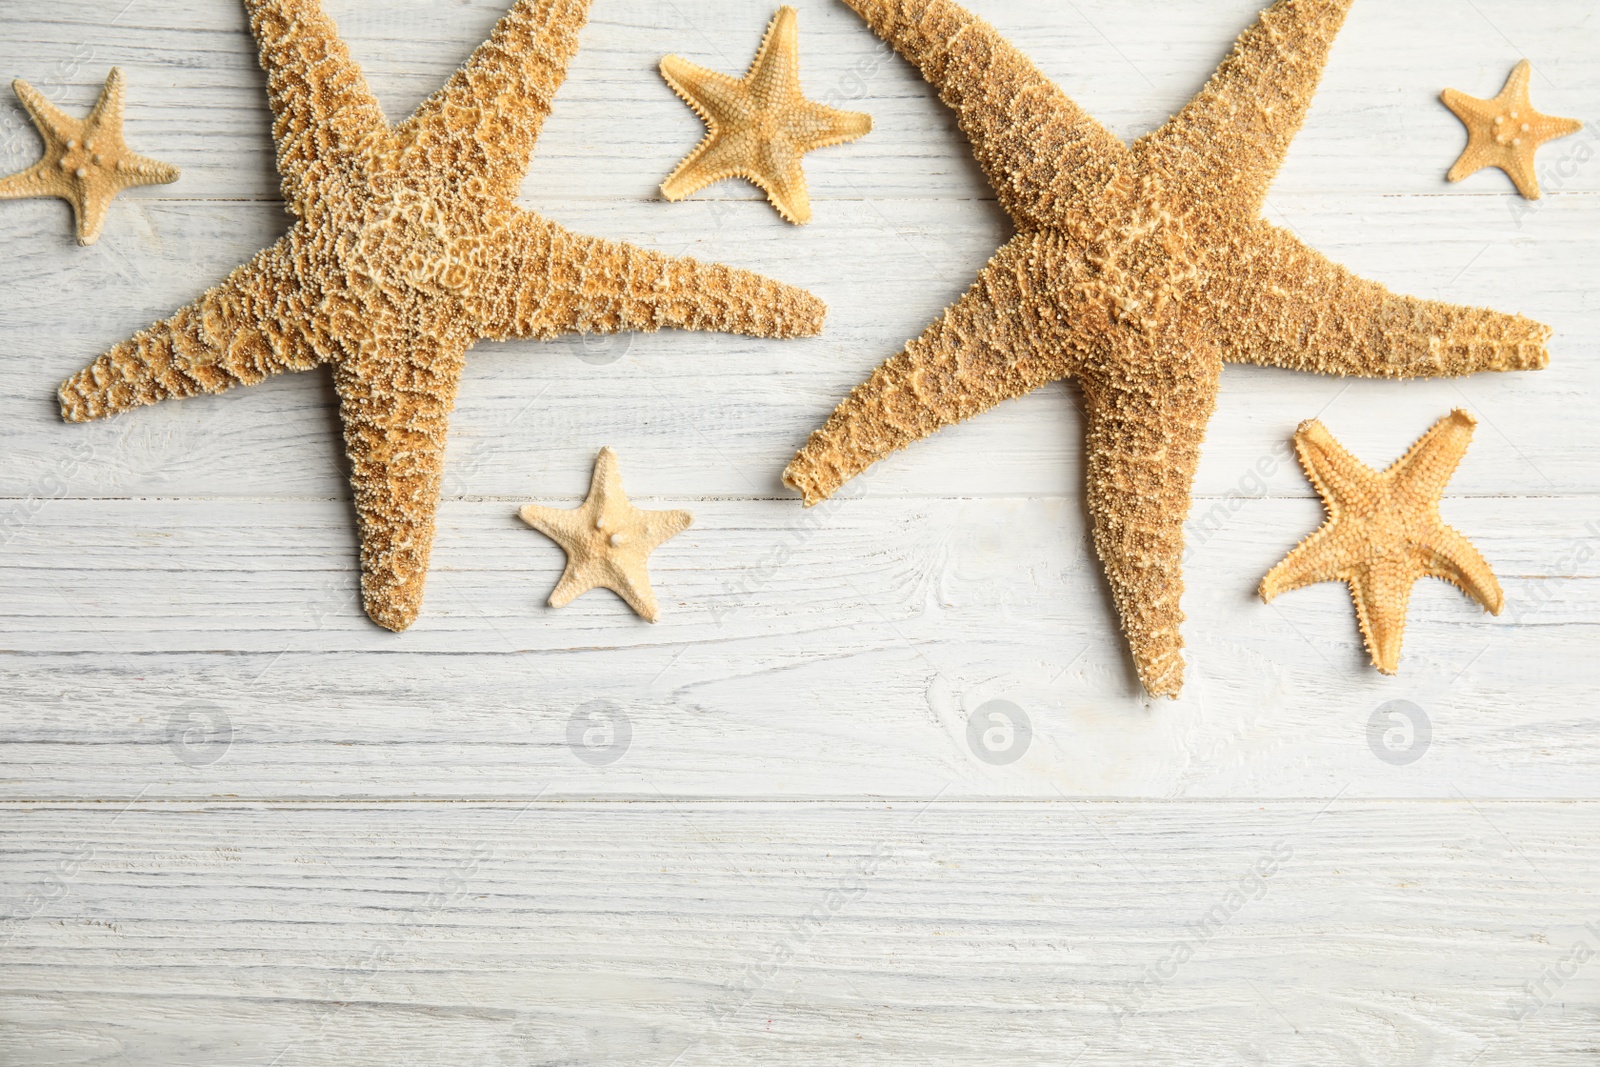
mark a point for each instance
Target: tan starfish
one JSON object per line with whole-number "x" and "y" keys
{"x": 1384, "y": 532}
{"x": 608, "y": 541}
{"x": 1505, "y": 132}
{"x": 759, "y": 127}
{"x": 85, "y": 161}
{"x": 1138, "y": 271}
{"x": 407, "y": 248}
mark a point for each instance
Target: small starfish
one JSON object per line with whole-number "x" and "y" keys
{"x": 1384, "y": 532}
{"x": 407, "y": 248}
{"x": 761, "y": 127}
{"x": 608, "y": 541}
{"x": 1505, "y": 132}
{"x": 85, "y": 161}
{"x": 1139, "y": 271}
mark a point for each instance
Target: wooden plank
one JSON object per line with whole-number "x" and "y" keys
{"x": 890, "y": 622}
{"x": 790, "y": 933}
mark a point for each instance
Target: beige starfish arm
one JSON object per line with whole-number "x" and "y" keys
{"x": 986, "y": 348}
{"x": 1381, "y": 590}
{"x": 36, "y": 181}
{"x": 1325, "y": 556}
{"x": 1143, "y": 448}
{"x": 485, "y": 119}
{"x": 50, "y": 120}
{"x": 1226, "y": 145}
{"x": 827, "y": 126}
{"x": 1279, "y": 303}
{"x": 1450, "y": 556}
{"x": 238, "y": 333}
{"x": 1427, "y": 467}
{"x": 1037, "y": 147}
{"x": 554, "y": 282}
{"x": 1339, "y": 478}
{"x": 711, "y": 94}
{"x": 322, "y": 108}
{"x": 635, "y": 590}
{"x": 713, "y": 159}
{"x": 395, "y": 399}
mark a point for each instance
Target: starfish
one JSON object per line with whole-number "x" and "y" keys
{"x": 1505, "y": 132}
{"x": 1137, "y": 272}
{"x": 760, "y": 127}
{"x": 407, "y": 248}
{"x": 1384, "y": 532}
{"x": 608, "y": 541}
{"x": 85, "y": 161}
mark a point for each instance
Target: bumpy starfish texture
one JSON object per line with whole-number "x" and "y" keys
{"x": 85, "y": 161}
{"x": 759, "y": 127}
{"x": 1384, "y": 532}
{"x": 608, "y": 541}
{"x": 1138, "y": 271}
{"x": 407, "y": 248}
{"x": 1505, "y": 132}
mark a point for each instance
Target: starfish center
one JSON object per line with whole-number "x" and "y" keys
{"x": 1139, "y": 252}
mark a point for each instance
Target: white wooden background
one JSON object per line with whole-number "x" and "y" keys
{"x": 242, "y": 825}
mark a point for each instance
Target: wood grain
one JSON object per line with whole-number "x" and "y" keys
{"x": 240, "y": 825}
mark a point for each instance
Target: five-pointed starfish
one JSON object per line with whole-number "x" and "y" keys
{"x": 407, "y": 249}
{"x": 1505, "y": 132}
{"x": 608, "y": 541}
{"x": 85, "y": 161}
{"x": 760, "y": 127}
{"x": 1384, "y": 532}
{"x": 1138, "y": 272}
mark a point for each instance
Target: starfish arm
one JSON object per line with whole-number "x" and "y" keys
{"x": 786, "y": 188}
{"x": 825, "y": 126}
{"x": 1381, "y": 591}
{"x": 109, "y": 105}
{"x": 238, "y": 333}
{"x": 1427, "y": 467}
{"x": 1322, "y": 557}
{"x": 322, "y": 109}
{"x": 51, "y": 122}
{"x": 986, "y": 348}
{"x": 1143, "y": 448}
{"x": 1450, "y": 556}
{"x": 1521, "y": 170}
{"x": 575, "y": 581}
{"x": 1280, "y": 303}
{"x": 712, "y": 95}
{"x": 775, "y": 71}
{"x": 1339, "y": 478}
{"x": 137, "y": 170}
{"x": 1039, "y": 150}
{"x": 721, "y": 155}
{"x": 37, "y": 180}
{"x": 632, "y": 584}
{"x": 1227, "y": 144}
{"x": 395, "y": 397}
{"x": 485, "y": 119}
{"x": 554, "y": 282}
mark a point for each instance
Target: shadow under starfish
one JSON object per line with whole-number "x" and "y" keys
{"x": 1138, "y": 271}
{"x": 408, "y": 248}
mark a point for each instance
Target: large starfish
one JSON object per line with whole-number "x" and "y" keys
{"x": 1384, "y": 532}
{"x": 1137, "y": 271}
{"x": 406, "y": 249}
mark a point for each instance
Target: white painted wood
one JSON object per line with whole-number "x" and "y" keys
{"x": 178, "y": 620}
{"x": 1104, "y": 933}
